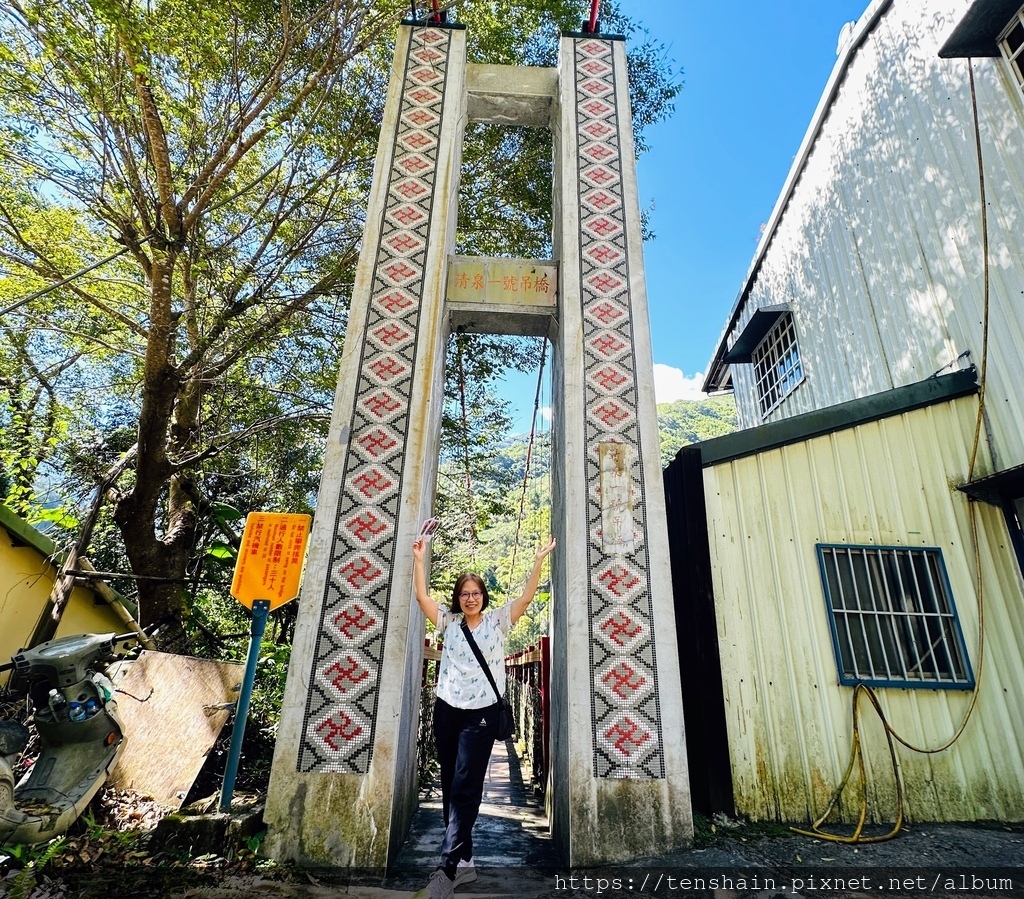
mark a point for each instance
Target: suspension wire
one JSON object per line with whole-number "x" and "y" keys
{"x": 49, "y": 287}
{"x": 529, "y": 454}
{"x": 856, "y": 749}
{"x": 465, "y": 436}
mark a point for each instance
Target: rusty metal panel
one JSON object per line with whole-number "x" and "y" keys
{"x": 889, "y": 482}
{"x": 173, "y": 708}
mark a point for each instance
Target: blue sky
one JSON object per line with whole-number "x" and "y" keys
{"x": 753, "y": 73}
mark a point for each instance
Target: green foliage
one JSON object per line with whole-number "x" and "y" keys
{"x": 35, "y": 860}
{"x": 687, "y": 421}
{"x": 271, "y": 672}
{"x": 214, "y": 161}
{"x": 475, "y": 484}
{"x": 253, "y": 843}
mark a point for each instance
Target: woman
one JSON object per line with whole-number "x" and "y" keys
{"x": 466, "y": 710}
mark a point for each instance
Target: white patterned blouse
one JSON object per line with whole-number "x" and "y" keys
{"x": 461, "y": 681}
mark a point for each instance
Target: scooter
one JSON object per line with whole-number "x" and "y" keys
{"x": 80, "y": 735}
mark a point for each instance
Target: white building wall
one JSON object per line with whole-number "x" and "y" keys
{"x": 879, "y": 251}
{"x": 788, "y": 720}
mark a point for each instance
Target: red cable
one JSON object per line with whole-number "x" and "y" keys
{"x": 595, "y": 5}
{"x": 437, "y": 10}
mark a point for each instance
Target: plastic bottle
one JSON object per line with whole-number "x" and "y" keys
{"x": 58, "y": 705}
{"x": 76, "y": 711}
{"x": 103, "y": 686}
{"x": 91, "y": 707}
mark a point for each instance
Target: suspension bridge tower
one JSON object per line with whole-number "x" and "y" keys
{"x": 343, "y": 784}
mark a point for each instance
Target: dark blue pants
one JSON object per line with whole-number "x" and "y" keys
{"x": 464, "y": 738}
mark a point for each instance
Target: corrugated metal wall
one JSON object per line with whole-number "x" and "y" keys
{"x": 890, "y": 482}
{"x": 879, "y": 252}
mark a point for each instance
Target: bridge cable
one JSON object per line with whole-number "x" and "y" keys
{"x": 465, "y": 437}
{"x": 529, "y": 454}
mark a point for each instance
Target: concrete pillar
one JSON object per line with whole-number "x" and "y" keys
{"x": 619, "y": 787}
{"x": 343, "y": 783}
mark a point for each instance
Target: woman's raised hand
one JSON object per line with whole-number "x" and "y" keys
{"x": 544, "y": 551}
{"x": 419, "y": 547}
{"x": 518, "y": 606}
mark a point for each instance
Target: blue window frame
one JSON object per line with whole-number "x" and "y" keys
{"x": 893, "y": 620}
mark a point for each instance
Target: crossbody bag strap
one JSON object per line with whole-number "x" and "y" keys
{"x": 480, "y": 658}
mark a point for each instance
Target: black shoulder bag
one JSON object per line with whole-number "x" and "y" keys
{"x": 506, "y": 720}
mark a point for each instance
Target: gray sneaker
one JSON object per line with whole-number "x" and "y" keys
{"x": 438, "y": 887}
{"x": 464, "y": 873}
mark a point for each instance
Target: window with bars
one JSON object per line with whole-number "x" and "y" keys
{"x": 1011, "y": 45}
{"x": 777, "y": 368}
{"x": 892, "y": 616}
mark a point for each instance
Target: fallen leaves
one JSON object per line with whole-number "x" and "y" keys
{"x": 127, "y": 810}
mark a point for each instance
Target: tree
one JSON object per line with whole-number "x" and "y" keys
{"x": 217, "y": 158}
{"x": 224, "y": 147}
{"x": 689, "y": 421}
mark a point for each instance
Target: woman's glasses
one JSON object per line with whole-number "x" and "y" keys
{"x": 476, "y": 594}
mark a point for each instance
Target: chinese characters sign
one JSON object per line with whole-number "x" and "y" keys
{"x": 476, "y": 279}
{"x": 269, "y": 564}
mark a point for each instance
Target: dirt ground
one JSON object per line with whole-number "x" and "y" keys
{"x": 737, "y": 862}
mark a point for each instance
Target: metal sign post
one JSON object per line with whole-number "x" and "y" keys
{"x": 267, "y": 574}
{"x": 260, "y": 611}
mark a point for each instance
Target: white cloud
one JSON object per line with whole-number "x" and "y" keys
{"x": 545, "y": 413}
{"x": 670, "y": 384}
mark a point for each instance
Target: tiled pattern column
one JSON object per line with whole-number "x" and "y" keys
{"x": 619, "y": 727}
{"x": 343, "y": 783}
{"x": 627, "y": 720}
{"x": 341, "y": 704}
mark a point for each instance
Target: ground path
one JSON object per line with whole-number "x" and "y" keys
{"x": 516, "y": 858}
{"x": 511, "y": 832}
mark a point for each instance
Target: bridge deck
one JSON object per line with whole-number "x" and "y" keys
{"x": 511, "y": 832}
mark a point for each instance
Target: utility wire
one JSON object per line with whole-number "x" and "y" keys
{"x": 45, "y": 290}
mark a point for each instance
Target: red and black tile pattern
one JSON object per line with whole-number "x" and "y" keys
{"x": 341, "y": 704}
{"x": 625, "y": 707}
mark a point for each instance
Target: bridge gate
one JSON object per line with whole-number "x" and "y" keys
{"x": 343, "y": 784}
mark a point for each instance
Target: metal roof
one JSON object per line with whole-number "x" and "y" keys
{"x": 976, "y": 33}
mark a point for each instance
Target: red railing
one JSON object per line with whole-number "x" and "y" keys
{"x": 528, "y": 687}
{"x": 528, "y": 674}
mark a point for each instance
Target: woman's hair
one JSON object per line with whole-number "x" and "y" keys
{"x": 460, "y": 586}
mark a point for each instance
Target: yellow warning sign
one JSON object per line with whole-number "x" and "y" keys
{"x": 269, "y": 564}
